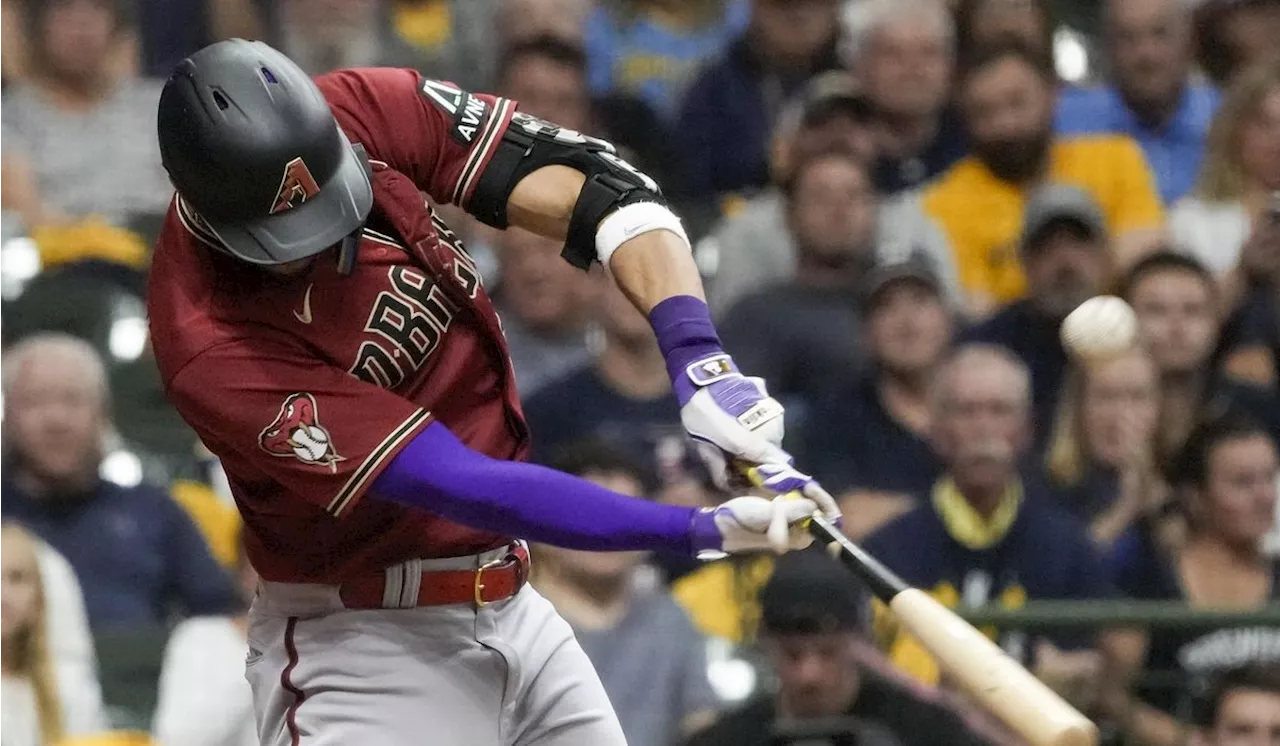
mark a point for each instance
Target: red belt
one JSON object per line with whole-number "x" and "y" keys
{"x": 493, "y": 581}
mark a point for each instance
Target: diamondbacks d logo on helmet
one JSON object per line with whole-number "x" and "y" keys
{"x": 297, "y": 186}
{"x": 297, "y": 432}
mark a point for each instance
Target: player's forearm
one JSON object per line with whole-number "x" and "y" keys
{"x": 437, "y": 473}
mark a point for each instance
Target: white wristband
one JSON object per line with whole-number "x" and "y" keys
{"x": 630, "y": 221}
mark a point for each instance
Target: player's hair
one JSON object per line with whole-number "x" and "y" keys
{"x": 862, "y": 21}
{"x": 545, "y": 46}
{"x": 979, "y": 59}
{"x": 1222, "y": 173}
{"x": 598, "y": 455}
{"x": 1191, "y": 466}
{"x": 1253, "y": 677}
{"x": 27, "y": 653}
{"x": 1164, "y": 260}
{"x": 807, "y": 159}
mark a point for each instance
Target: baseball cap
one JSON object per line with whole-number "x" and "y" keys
{"x": 1056, "y": 203}
{"x": 825, "y": 95}
{"x": 808, "y": 593}
{"x": 914, "y": 268}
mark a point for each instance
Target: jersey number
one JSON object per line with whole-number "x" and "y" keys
{"x": 410, "y": 319}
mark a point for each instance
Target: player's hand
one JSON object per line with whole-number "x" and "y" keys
{"x": 785, "y": 479}
{"x": 746, "y": 524}
{"x": 731, "y": 412}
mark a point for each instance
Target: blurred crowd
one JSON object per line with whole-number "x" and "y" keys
{"x": 894, "y": 204}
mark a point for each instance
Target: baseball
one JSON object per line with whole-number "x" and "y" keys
{"x": 1101, "y": 327}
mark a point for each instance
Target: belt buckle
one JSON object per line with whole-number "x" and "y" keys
{"x": 478, "y": 585}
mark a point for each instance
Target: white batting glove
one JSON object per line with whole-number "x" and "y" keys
{"x": 747, "y": 524}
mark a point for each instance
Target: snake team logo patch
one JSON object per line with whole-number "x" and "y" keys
{"x": 296, "y": 186}
{"x": 297, "y": 432}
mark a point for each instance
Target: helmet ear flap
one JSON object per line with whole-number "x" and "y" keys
{"x": 351, "y": 243}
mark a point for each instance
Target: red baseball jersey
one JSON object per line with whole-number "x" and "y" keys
{"x": 307, "y": 386}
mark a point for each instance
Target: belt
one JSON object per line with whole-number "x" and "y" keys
{"x": 490, "y": 582}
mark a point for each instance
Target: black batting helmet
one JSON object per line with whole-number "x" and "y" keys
{"x": 253, "y": 149}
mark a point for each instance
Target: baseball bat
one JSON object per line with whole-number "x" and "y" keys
{"x": 1031, "y": 709}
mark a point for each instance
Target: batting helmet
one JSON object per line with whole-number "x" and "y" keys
{"x": 253, "y": 149}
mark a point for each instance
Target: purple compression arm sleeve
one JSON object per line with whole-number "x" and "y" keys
{"x": 682, "y": 324}
{"x": 435, "y": 472}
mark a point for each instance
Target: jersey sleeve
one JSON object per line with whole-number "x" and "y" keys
{"x": 270, "y": 410}
{"x": 435, "y": 133}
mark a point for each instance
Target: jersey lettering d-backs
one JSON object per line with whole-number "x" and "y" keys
{"x": 307, "y": 386}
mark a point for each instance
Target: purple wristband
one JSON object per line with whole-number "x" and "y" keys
{"x": 682, "y": 324}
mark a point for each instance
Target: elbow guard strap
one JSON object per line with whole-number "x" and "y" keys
{"x": 531, "y": 143}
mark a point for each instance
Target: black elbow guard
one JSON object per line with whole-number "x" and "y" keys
{"x": 531, "y": 143}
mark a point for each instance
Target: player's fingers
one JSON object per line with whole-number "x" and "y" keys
{"x": 779, "y": 531}
{"x": 825, "y": 502}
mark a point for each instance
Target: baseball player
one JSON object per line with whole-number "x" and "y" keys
{"x": 330, "y": 340}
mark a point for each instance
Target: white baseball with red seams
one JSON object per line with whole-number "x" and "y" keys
{"x": 1103, "y": 326}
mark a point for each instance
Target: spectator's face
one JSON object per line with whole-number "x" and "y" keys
{"x": 1260, "y": 142}
{"x": 1176, "y": 319}
{"x": 791, "y": 33}
{"x": 593, "y": 569}
{"x": 1065, "y": 268}
{"x": 1251, "y": 31}
{"x": 1239, "y": 500}
{"x": 538, "y": 286}
{"x": 550, "y": 90}
{"x": 1008, "y": 108}
{"x": 908, "y": 328}
{"x": 1151, "y": 49}
{"x": 19, "y": 586}
{"x": 817, "y": 673}
{"x": 78, "y": 37}
{"x": 832, "y": 209}
{"x": 55, "y": 418}
{"x": 980, "y": 424}
{"x": 995, "y": 20}
{"x": 329, "y": 13}
{"x": 1121, "y": 402}
{"x": 1247, "y": 717}
{"x": 907, "y": 68}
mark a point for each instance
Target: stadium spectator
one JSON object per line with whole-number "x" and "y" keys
{"x": 1233, "y": 35}
{"x": 1225, "y": 221}
{"x": 455, "y": 39}
{"x": 985, "y": 534}
{"x": 1007, "y": 97}
{"x": 904, "y": 55}
{"x": 1251, "y": 339}
{"x": 548, "y": 77}
{"x": 814, "y": 635}
{"x": 204, "y": 699}
{"x": 752, "y": 246}
{"x": 172, "y": 30}
{"x": 1228, "y": 474}
{"x": 1065, "y": 255}
{"x": 1152, "y": 97}
{"x": 544, "y": 302}
{"x": 651, "y": 660}
{"x": 1245, "y": 708}
{"x": 325, "y": 35}
{"x": 812, "y": 348}
{"x": 80, "y": 123}
{"x": 870, "y": 441}
{"x": 1177, "y": 304}
{"x": 40, "y": 704}
{"x": 729, "y": 109}
{"x": 987, "y": 23}
{"x": 134, "y": 549}
{"x": 1102, "y": 452}
{"x": 652, "y": 49}
{"x": 623, "y": 397}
